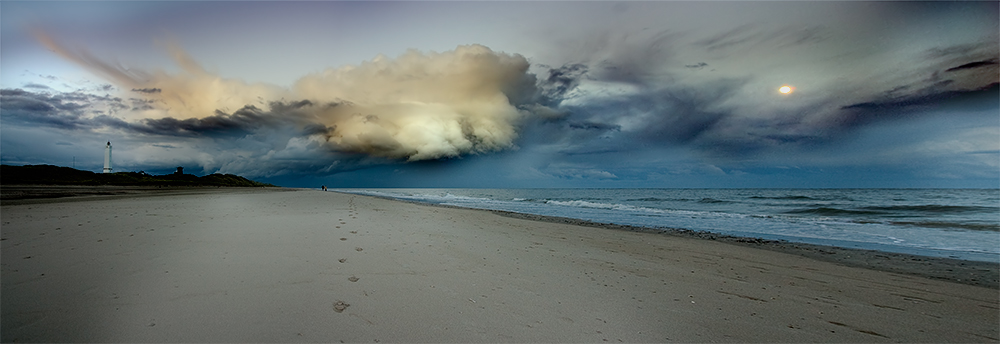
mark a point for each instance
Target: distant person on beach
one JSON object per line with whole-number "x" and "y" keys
{"x": 324, "y": 187}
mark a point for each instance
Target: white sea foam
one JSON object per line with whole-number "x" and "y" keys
{"x": 895, "y": 220}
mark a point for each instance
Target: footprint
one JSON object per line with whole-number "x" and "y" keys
{"x": 354, "y": 232}
{"x": 358, "y": 249}
{"x": 342, "y": 239}
{"x": 353, "y": 279}
{"x": 342, "y": 260}
{"x": 340, "y": 306}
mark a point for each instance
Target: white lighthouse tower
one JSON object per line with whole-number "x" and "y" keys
{"x": 107, "y": 158}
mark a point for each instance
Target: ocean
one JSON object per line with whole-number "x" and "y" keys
{"x": 955, "y": 223}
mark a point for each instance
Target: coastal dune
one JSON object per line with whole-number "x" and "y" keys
{"x": 278, "y": 265}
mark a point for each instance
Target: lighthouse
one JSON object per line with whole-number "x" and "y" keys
{"x": 107, "y": 158}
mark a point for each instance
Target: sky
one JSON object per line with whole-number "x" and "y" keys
{"x": 510, "y": 94}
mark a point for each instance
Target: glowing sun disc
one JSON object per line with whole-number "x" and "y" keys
{"x": 785, "y": 89}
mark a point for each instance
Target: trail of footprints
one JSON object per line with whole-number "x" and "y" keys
{"x": 339, "y": 306}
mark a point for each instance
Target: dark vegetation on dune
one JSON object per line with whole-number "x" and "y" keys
{"x": 58, "y": 175}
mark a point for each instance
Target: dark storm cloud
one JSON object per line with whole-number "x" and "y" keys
{"x": 245, "y": 121}
{"x": 289, "y": 107}
{"x": 670, "y": 114}
{"x": 561, "y": 80}
{"x": 316, "y": 129}
{"x": 868, "y": 112}
{"x": 941, "y": 98}
{"x": 594, "y": 126}
{"x": 651, "y": 88}
{"x": 972, "y": 65}
{"x": 279, "y": 140}
{"x": 38, "y": 86}
{"x": 239, "y": 123}
{"x": 216, "y": 125}
{"x": 147, "y": 90}
{"x": 63, "y": 111}
{"x": 688, "y": 114}
{"x": 76, "y": 111}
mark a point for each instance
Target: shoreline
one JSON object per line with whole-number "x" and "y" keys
{"x": 308, "y": 266}
{"x": 970, "y": 272}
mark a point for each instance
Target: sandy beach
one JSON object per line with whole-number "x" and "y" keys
{"x": 281, "y": 265}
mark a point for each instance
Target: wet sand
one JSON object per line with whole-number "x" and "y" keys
{"x": 273, "y": 265}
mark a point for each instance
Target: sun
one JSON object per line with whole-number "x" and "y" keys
{"x": 786, "y": 89}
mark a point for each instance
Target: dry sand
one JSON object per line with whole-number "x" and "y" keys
{"x": 252, "y": 265}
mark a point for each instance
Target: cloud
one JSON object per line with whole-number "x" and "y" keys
{"x": 34, "y": 85}
{"x": 751, "y": 35}
{"x": 972, "y": 65}
{"x": 633, "y": 98}
{"x": 896, "y": 105}
{"x": 701, "y": 91}
{"x": 422, "y": 106}
{"x": 575, "y": 171}
{"x": 239, "y": 123}
{"x": 418, "y": 106}
{"x": 62, "y": 110}
{"x": 563, "y": 79}
{"x": 594, "y": 126}
{"x": 252, "y": 141}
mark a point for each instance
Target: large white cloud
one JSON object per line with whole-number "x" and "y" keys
{"x": 417, "y": 106}
{"x": 421, "y": 106}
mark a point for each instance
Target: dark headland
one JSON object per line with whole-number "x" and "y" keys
{"x": 48, "y": 181}
{"x": 58, "y": 175}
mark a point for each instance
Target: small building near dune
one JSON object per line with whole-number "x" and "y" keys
{"x": 180, "y": 170}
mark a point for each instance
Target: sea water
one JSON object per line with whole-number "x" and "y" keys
{"x": 956, "y": 223}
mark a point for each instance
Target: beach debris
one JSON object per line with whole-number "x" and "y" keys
{"x": 353, "y": 279}
{"x": 340, "y": 306}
